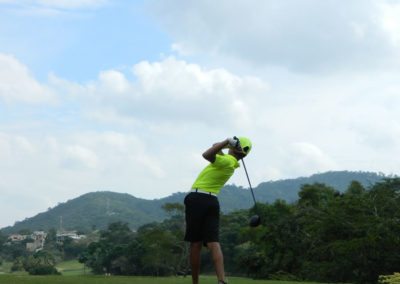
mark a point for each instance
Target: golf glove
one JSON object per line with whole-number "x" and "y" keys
{"x": 234, "y": 142}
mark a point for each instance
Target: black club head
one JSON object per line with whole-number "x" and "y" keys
{"x": 255, "y": 221}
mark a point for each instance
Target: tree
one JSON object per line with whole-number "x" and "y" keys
{"x": 326, "y": 236}
{"x": 72, "y": 248}
{"x": 161, "y": 248}
{"x": 3, "y": 240}
{"x": 107, "y": 255}
{"x": 352, "y": 237}
{"x": 14, "y": 249}
{"x": 231, "y": 234}
{"x": 18, "y": 264}
{"x": 155, "y": 249}
{"x": 176, "y": 226}
{"x": 275, "y": 243}
{"x": 158, "y": 247}
{"x": 41, "y": 263}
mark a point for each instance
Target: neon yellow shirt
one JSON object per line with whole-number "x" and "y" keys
{"x": 213, "y": 177}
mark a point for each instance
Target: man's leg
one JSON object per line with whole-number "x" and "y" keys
{"x": 195, "y": 256}
{"x": 218, "y": 259}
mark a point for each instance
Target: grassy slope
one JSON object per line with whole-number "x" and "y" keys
{"x": 72, "y": 268}
{"x": 5, "y": 267}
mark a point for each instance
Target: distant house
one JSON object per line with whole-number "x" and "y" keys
{"x": 38, "y": 237}
{"x": 17, "y": 238}
{"x": 35, "y": 241}
{"x": 63, "y": 235}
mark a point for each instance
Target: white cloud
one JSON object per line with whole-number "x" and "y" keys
{"x": 77, "y": 156}
{"x": 391, "y": 21}
{"x": 113, "y": 81}
{"x": 307, "y": 159}
{"x": 14, "y": 148}
{"x": 304, "y": 36}
{"x": 18, "y": 85}
{"x": 187, "y": 91}
{"x": 169, "y": 90}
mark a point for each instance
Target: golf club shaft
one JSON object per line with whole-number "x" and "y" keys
{"x": 248, "y": 179}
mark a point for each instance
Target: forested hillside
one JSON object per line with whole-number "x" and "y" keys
{"x": 98, "y": 209}
{"x": 233, "y": 197}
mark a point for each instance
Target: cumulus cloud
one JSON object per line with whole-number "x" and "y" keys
{"x": 18, "y": 85}
{"x": 305, "y": 36}
{"x": 172, "y": 90}
{"x": 191, "y": 92}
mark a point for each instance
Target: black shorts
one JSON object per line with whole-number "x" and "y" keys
{"x": 202, "y": 218}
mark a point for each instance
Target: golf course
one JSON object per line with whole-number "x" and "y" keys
{"x": 73, "y": 272}
{"x": 11, "y": 279}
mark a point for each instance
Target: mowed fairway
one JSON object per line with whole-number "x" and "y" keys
{"x": 73, "y": 273}
{"x": 15, "y": 279}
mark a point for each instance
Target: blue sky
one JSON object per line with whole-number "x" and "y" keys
{"x": 76, "y": 44}
{"x": 126, "y": 95}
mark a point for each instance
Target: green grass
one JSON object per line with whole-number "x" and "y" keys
{"x": 67, "y": 268}
{"x": 72, "y": 273}
{"x": 5, "y": 267}
{"x": 90, "y": 279}
{"x": 72, "y": 268}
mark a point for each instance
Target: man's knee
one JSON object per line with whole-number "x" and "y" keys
{"x": 196, "y": 245}
{"x": 213, "y": 246}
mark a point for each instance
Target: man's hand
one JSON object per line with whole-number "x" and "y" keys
{"x": 234, "y": 142}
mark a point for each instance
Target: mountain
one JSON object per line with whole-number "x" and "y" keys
{"x": 233, "y": 198}
{"x": 95, "y": 210}
{"x": 98, "y": 209}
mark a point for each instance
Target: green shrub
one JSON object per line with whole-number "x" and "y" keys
{"x": 18, "y": 265}
{"x": 43, "y": 270}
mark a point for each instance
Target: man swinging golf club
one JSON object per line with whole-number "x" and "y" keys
{"x": 202, "y": 206}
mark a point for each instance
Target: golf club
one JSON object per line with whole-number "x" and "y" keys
{"x": 255, "y": 220}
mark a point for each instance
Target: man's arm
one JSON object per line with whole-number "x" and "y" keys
{"x": 210, "y": 154}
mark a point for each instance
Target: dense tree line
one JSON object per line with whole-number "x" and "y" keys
{"x": 154, "y": 249}
{"x": 325, "y": 236}
{"x": 328, "y": 236}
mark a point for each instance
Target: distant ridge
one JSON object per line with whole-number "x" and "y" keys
{"x": 96, "y": 210}
{"x": 233, "y": 197}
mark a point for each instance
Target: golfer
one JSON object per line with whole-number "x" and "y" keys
{"x": 202, "y": 206}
